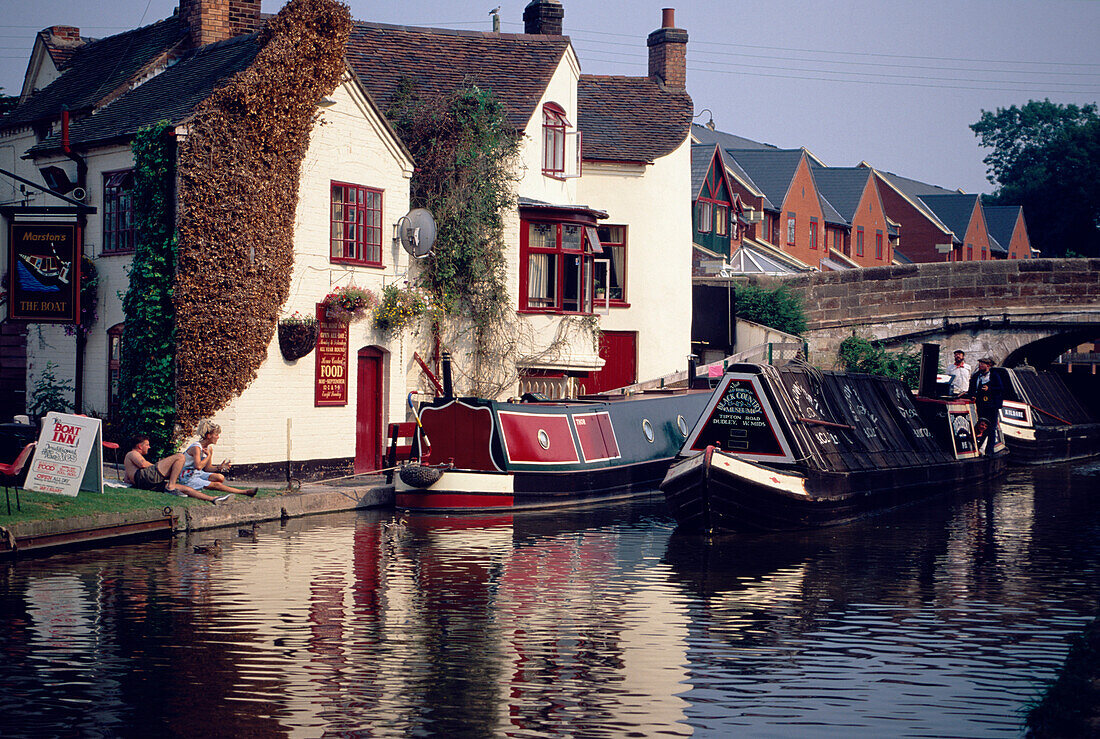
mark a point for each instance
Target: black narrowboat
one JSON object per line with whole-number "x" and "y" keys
{"x": 793, "y": 447}
{"x": 1043, "y": 421}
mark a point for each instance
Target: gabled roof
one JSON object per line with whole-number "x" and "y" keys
{"x": 771, "y": 169}
{"x": 735, "y": 169}
{"x": 516, "y": 67}
{"x": 630, "y": 118}
{"x": 97, "y": 69}
{"x": 953, "y": 209}
{"x": 911, "y": 190}
{"x": 172, "y": 95}
{"x": 61, "y": 50}
{"x": 704, "y": 135}
{"x": 1000, "y": 221}
{"x": 701, "y": 157}
{"x": 842, "y": 187}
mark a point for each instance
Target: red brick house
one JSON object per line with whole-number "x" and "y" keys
{"x": 1006, "y": 224}
{"x": 963, "y": 215}
{"x": 852, "y": 191}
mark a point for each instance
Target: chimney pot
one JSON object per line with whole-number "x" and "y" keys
{"x": 668, "y": 17}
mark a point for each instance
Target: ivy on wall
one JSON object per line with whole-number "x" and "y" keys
{"x": 147, "y": 382}
{"x": 239, "y": 170}
{"x": 466, "y": 164}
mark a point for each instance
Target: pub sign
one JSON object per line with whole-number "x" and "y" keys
{"x": 44, "y": 273}
{"x": 331, "y": 377}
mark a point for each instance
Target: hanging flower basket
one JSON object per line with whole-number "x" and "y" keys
{"x": 400, "y": 306}
{"x": 297, "y": 336}
{"x": 349, "y": 304}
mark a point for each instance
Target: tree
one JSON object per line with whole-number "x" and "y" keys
{"x": 7, "y": 103}
{"x": 1046, "y": 157}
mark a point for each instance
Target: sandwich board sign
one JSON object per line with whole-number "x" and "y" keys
{"x": 68, "y": 457}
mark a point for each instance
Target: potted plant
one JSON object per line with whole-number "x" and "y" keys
{"x": 399, "y": 307}
{"x": 349, "y": 303}
{"x": 297, "y": 336}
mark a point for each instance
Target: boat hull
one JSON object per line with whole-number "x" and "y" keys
{"x": 1051, "y": 444}
{"x": 715, "y": 492}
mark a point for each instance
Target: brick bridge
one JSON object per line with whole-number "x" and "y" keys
{"x": 1016, "y": 311}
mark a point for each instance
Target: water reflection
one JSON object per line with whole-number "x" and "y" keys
{"x": 942, "y": 618}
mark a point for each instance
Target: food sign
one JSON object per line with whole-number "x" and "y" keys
{"x": 68, "y": 457}
{"x": 331, "y": 378}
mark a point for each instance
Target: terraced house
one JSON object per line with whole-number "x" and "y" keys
{"x": 591, "y": 241}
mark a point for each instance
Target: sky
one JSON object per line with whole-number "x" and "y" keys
{"x": 895, "y": 83}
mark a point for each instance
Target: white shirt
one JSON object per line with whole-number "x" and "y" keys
{"x": 960, "y": 377}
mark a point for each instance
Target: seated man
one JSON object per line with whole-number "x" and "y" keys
{"x": 162, "y": 476}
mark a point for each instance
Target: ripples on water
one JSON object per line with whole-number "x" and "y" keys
{"x": 943, "y": 619}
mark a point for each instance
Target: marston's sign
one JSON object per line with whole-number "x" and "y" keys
{"x": 44, "y": 272}
{"x": 331, "y": 379}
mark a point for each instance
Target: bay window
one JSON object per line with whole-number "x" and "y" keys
{"x": 611, "y": 281}
{"x": 558, "y": 275}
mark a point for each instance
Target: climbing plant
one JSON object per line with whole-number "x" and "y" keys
{"x": 862, "y": 355}
{"x": 147, "y": 381}
{"x": 239, "y": 169}
{"x": 466, "y": 156}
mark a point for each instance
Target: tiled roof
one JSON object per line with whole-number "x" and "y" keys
{"x": 771, "y": 169}
{"x": 1000, "y": 221}
{"x": 954, "y": 209}
{"x": 741, "y": 174}
{"x": 913, "y": 189}
{"x": 701, "y": 157}
{"x": 516, "y": 67}
{"x": 97, "y": 69}
{"x": 630, "y": 118}
{"x": 704, "y": 135}
{"x": 172, "y": 95}
{"x": 842, "y": 187}
{"x": 61, "y": 52}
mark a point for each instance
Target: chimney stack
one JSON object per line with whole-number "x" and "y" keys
{"x": 218, "y": 20}
{"x": 543, "y": 17}
{"x": 68, "y": 34}
{"x": 668, "y": 52}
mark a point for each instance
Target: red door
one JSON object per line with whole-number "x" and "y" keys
{"x": 619, "y": 351}
{"x": 368, "y": 411}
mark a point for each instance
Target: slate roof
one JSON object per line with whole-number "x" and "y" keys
{"x": 704, "y": 135}
{"x": 630, "y": 118}
{"x": 1000, "y": 221}
{"x": 516, "y": 67}
{"x": 97, "y": 69}
{"x": 913, "y": 189}
{"x": 701, "y": 157}
{"x": 771, "y": 169}
{"x": 172, "y": 95}
{"x": 953, "y": 209}
{"x": 739, "y": 172}
{"x": 842, "y": 187}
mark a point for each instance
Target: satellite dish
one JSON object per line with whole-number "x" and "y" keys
{"x": 416, "y": 231}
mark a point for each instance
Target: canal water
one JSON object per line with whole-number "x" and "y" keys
{"x": 942, "y": 619}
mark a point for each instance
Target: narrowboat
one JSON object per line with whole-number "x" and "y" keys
{"x": 794, "y": 447}
{"x": 476, "y": 455}
{"x": 1043, "y": 421}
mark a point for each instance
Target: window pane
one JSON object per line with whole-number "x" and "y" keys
{"x": 571, "y": 237}
{"x": 617, "y": 272}
{"x": 542, "y": 236}
{"x": 542, "y": 281}
{"x": 571, "y": 298}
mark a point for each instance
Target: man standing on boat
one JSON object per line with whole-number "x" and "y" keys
{"x": 987, "y": 391}
{"x": 960, "y": 374}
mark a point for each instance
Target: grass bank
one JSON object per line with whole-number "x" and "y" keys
{"x": 47, "y": 507}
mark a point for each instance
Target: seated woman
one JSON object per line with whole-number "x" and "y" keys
{"x": 197, "y": 472}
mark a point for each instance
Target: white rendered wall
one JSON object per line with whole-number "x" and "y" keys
{"x": 349, "y": 144}
{"x": 654, "y": 203}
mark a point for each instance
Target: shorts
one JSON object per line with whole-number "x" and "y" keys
{"x": 149, "y": 478}
{"x": 195, "y": 479}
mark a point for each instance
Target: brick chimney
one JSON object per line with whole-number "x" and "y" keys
{"x": 67, "y": 34}
{"x": 668, "y": 52}
{"x": 217, "y": 20}
{"x": 543, "y": 17}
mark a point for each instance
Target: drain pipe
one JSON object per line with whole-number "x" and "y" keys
{"x": 81, "y": 224}
{"x": 448, "y": 387}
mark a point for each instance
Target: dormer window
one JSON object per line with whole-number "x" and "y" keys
{"x": 554, "y": 125}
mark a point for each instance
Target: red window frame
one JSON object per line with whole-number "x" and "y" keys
{"x": 118, "y": 212}
{"x": 970, "y": 252}
{"x": 792, "y": 228}
{"x": 878, "y": 244}
{"x": 356, "y": 224}
{"x": 721, "y": 219}
{"x": 562, "y": 260}
{"x": 613, "y": 239}
{"x": 813, "y": 232}
{"x": 554, "y": 125}
{"x": 859, "y": 241}
{"x": 984, "y": 253}
{"x": 114, "y": 368}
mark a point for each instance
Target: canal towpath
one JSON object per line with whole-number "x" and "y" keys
{"x": 49, "y": 522}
